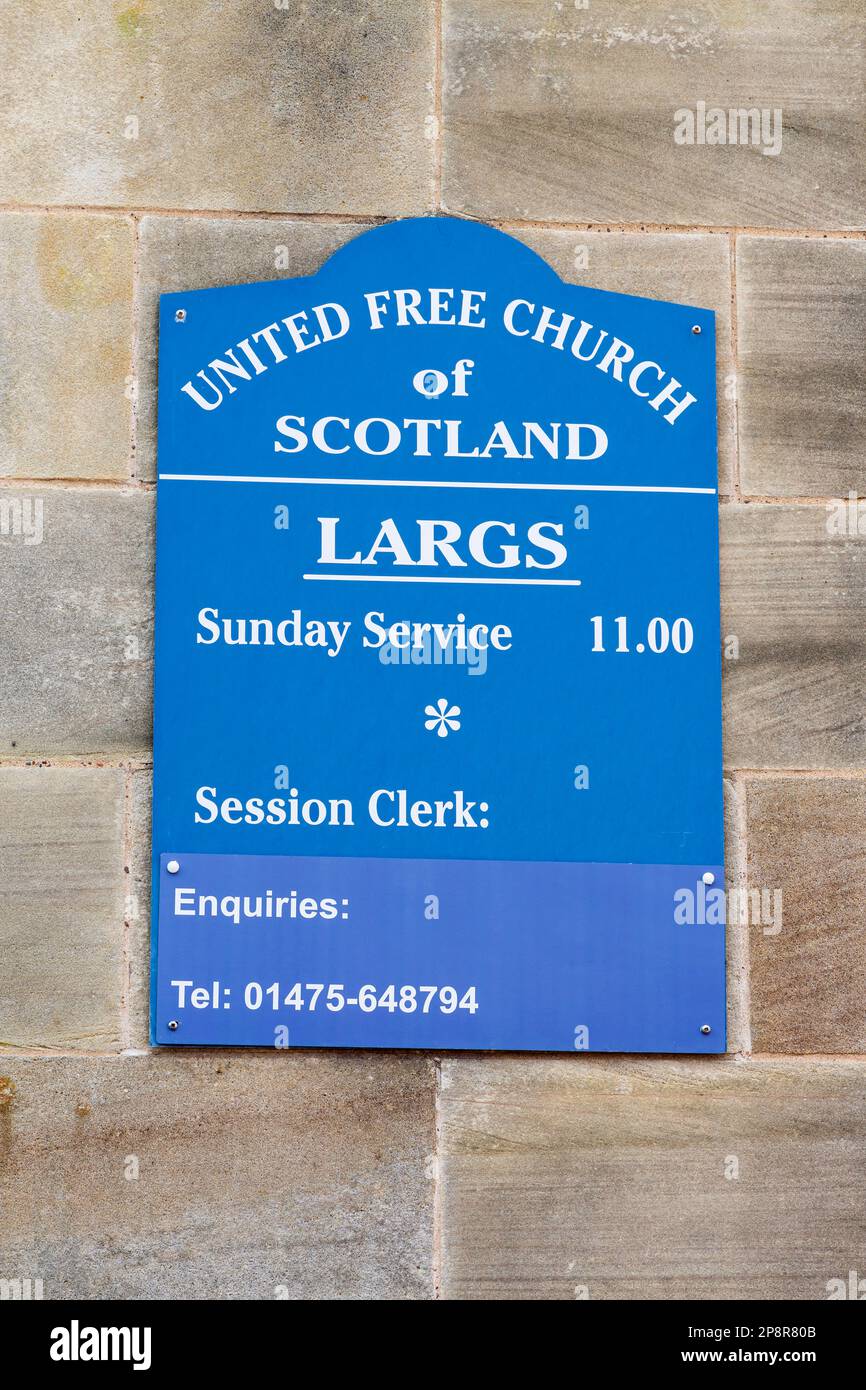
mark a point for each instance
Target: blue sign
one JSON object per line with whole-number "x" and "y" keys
{"x": 437, "y": 728}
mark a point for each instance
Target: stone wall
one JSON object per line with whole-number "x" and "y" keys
{"x": 153, "y": 146}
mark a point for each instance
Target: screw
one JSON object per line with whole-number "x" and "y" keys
{"x": 174, "y": 1025}
{"x": 180, "y": 317}
{"x": 696, "y": 328}
{"x": 172, "y": 867}
{"x": 706, "y": 878}
{"x": 705, "y": 1028}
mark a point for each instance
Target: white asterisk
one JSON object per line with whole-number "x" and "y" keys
{"x": 442, "y": 717}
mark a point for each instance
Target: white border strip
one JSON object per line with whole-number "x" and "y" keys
{"x": 419, "y": 482}
{"x": 436, "y": 579}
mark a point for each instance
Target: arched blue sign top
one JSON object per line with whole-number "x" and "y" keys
{"x": 437, "y": 729}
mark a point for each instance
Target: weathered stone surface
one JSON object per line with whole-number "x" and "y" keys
{"x": 609, "y": 1176}
{"x": 61, "y": 918}
{"x": 688, "y": 269}
{"x": 138, "y": 909}
{"x": 736, "y": 937}
{"x": 312, "y": 105}
{"x": 558, "y": 112}
{"x": 66, "y": 322}
{"x": 193, "y": 253}
{"x": 794, "y": 598}
{"x": 801, "y": 326}
{"x": 256, "y": 1173}
{"x": 75, "y": 622}
{"x": 807, "y": 838}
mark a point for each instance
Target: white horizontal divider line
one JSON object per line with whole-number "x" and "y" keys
{"x": 436, "y": 579}
{"x": 427, "y": 482}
